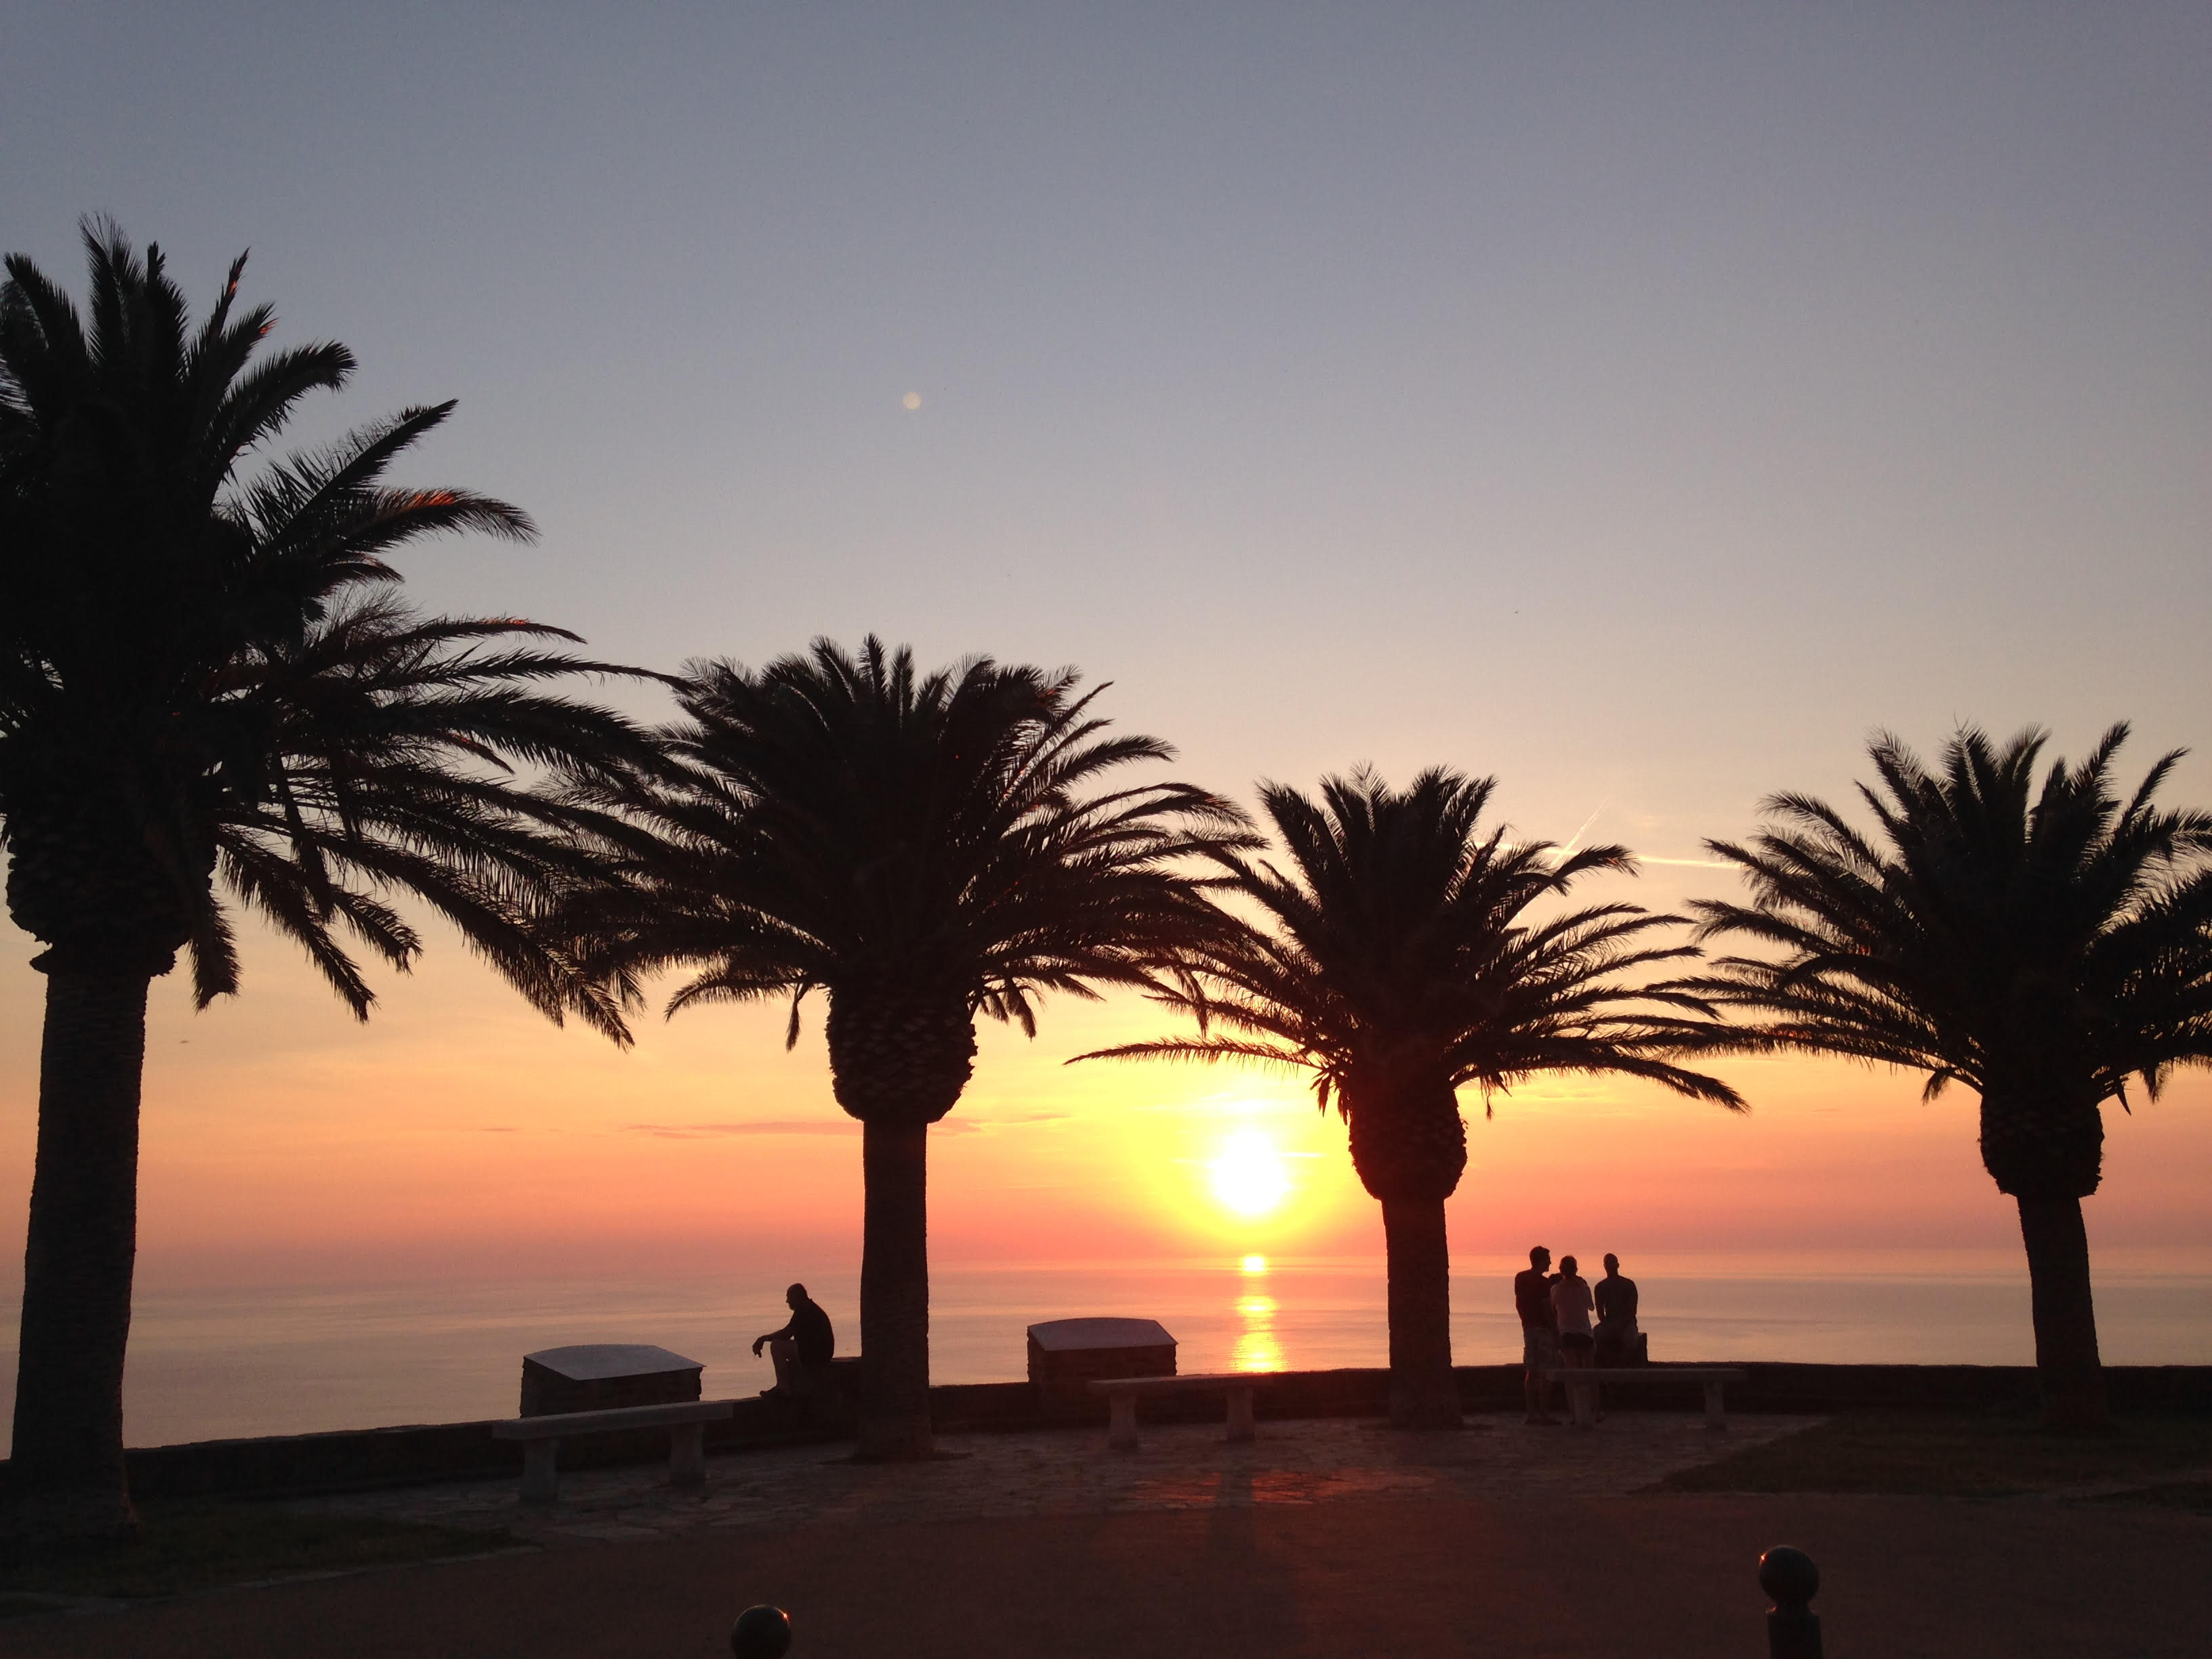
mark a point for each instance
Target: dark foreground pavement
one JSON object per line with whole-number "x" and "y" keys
{"x": 1644, "y": 1576}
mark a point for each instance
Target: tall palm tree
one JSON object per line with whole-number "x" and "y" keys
{"x": 922, "y": 848}
{"x": 199, "y": 695}
{"x": 1394, "y": 959}
{"x": 2040, "y": 945}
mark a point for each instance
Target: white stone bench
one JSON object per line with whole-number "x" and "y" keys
{"x": 1122, "y": 1392}
{"x": 1581, "y": 1382}
{"x": 686, "y": 1422}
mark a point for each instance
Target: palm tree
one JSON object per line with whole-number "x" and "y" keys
{"x": 1396, "y": 963}
{"x": 922, "y": 848}
{"x": 198, "y": 696}
{"x": 2039, "y": 946}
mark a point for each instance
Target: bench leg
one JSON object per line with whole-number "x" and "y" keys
{"x": 541, "y": 1476}
{"x": 1240, "y": 1414}
{"x": 1584, "y": 1396}
{"x": 1716, "y": 1413}
{"x": 687, "y": 1454}
{"x": 1121, "y": 1424}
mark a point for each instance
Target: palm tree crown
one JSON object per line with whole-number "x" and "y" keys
{"x": 920, "y": 846}
{"x": 2042, "y": 945}
{"x": 195, "y": 689}
{"x": 1398, "y": 954}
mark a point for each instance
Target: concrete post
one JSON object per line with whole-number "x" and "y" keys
{"x": 1793, "y": 1629}
{"x": 1122, "y": 1423}
{"x": 1240, "y": 1414}
{"x": 541, "y": 1475}
{"x": 760, "y": 1632}
{"x": 687, "y": 1454}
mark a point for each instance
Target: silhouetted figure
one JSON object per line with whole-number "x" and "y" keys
{"x": 801, "y": 1351}
{"x": 1571, "y": 1305}
{"x": 1539, "y": 1332}
{"x": 1616, "y": 1316}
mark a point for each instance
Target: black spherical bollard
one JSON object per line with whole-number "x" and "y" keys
{"x": 1793, "y": 1629}
{"x": 762, "y": 1632}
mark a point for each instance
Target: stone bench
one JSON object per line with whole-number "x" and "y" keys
{"x": 541, "y": 1437}
{"x": 1581, "y": 1382}
{"x": 1122, "y": 1393}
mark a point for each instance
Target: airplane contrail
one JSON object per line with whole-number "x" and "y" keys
{"x": 1567, "y": 851}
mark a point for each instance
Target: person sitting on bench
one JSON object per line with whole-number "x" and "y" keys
{"x": 801, "y": 1351}
{"x": 1616, "y": 1318}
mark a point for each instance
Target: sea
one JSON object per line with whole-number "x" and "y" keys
{"x": 213, "y": 1363}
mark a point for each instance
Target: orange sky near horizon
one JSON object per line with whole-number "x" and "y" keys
{"x": 458, "y": 1134}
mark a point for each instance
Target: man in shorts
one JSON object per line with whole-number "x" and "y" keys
{"x": 1539, "y": 1332}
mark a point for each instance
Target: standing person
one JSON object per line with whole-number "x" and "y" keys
{"x": 1571, "y": 1305}
{"x": 801, "y": 1351}
{"x": 1539, "y": 1332}
{"x": 1616, "y": 1316}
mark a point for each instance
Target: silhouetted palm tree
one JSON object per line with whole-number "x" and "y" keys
{"x": 922, "y": 848}
{"x": 193, "y": 698}
{"x": 1397, "y": 963}
{"x": 2039, "y": 946}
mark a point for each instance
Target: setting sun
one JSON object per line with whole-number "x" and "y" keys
{"x": 1248, "y": 1176}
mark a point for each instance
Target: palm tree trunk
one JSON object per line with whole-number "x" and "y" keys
{"x": 67, "y": 1469}
{"x": 2066, "y": 1364}
{"x": 895, "y": 1291}
{"x": 1423, "y": 1394}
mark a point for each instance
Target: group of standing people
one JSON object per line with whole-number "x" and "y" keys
{"x": 1556, "y": 1332}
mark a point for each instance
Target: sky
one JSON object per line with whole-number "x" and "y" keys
{"x": 1642, "y": 405}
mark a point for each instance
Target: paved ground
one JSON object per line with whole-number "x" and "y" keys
{"x": 1325, "y": 1538}
{"x": 1070, "y": 1471}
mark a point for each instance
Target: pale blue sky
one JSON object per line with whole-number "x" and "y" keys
{"x": 1639, "y": 402}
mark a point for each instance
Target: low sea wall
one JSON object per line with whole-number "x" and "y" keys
{"x": 358, "y": 1459}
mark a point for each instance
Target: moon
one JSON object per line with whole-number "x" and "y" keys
{"x": 912, "y": 400}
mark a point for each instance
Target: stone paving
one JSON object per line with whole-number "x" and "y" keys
{"x": 1063, "y": 1472}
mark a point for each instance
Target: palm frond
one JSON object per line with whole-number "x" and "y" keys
{"x": 2035, "y": 941}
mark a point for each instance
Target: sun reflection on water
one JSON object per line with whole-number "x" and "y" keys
{"x": 1256, "y": 1348}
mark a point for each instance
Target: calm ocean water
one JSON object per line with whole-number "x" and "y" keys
{"x": 211, "y": 1364}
